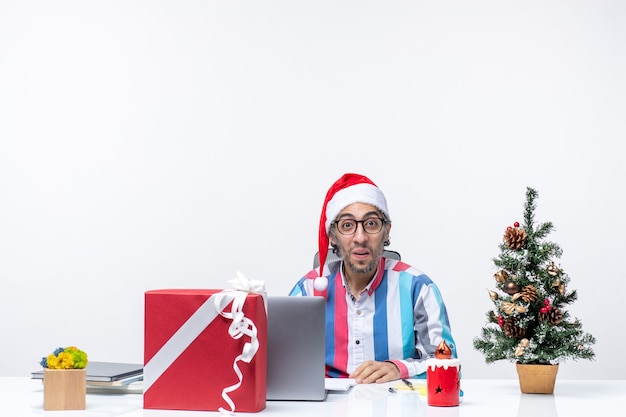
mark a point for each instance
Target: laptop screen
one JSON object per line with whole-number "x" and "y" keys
{"x": 296, "y": 348}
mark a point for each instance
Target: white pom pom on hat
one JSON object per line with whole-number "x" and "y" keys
{"x": 320, "y": 284}
{"x": 349, "y": 189}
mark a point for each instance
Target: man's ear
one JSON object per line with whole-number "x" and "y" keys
{"x": 388, "y": 229}
{"x": 332, "y": 239}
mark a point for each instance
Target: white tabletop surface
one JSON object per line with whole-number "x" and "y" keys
{"x": 482, "y": 398}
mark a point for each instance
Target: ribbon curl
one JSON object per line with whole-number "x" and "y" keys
{"x": 240, "y": 326}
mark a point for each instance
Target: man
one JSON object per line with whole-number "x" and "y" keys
{"x": 384, "y": 318}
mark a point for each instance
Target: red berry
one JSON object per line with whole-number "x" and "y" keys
{"x": 516, "y": 224}
{"x": 543, "y": 310}
{"x": 546, "y": 302}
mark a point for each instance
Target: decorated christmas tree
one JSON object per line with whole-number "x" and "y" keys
{"x": 529, "y": 323}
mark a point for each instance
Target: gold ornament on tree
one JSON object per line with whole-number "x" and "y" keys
{"x": 558, "y": 284}
{"x": 509, "y": 308}
{"x": 552, "y": 270}
{"x": 493, "y": 295}
{"x": 510, "y": 287}
{"x": 501, "y": 275}
{"x": 521, "y": 347}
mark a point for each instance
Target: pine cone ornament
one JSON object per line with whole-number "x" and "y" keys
{"x": 554, "y": 316}
{"x": 529, "y": 293}
{"x": 511, "y": 328}
{"x": 514, "y": 237}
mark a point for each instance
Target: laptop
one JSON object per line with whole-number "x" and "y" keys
{"x": 296, "y": 348}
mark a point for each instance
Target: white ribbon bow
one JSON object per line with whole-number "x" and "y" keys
{"x": 248, "y": 285}
{"x": 240, "y": 326}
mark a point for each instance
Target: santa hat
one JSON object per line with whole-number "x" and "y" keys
{"x": 349, "y": 189}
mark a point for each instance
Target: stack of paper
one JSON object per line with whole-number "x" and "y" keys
{"x": 110, "y": 376}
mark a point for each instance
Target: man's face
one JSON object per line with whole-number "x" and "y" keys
{"x": 360, "y": 250}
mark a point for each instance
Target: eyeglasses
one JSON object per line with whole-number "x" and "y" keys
{"x": 371, "y": 225}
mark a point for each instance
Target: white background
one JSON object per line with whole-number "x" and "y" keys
{"x": 168, "y": 144}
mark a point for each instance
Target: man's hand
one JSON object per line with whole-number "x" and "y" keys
{"x": 372, "y": 371}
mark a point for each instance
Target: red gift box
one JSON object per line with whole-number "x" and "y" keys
{"x": 191, "y": 361}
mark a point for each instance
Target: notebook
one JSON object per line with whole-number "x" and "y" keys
{"x": 108, "y": 372}
{"x": 296, "y": 348}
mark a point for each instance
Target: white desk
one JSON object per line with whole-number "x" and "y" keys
{"x": 483, "y": 398}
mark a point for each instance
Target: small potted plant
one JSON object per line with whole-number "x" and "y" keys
{"x": 529, "y": 324}
{"x": 65, "y": 379}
